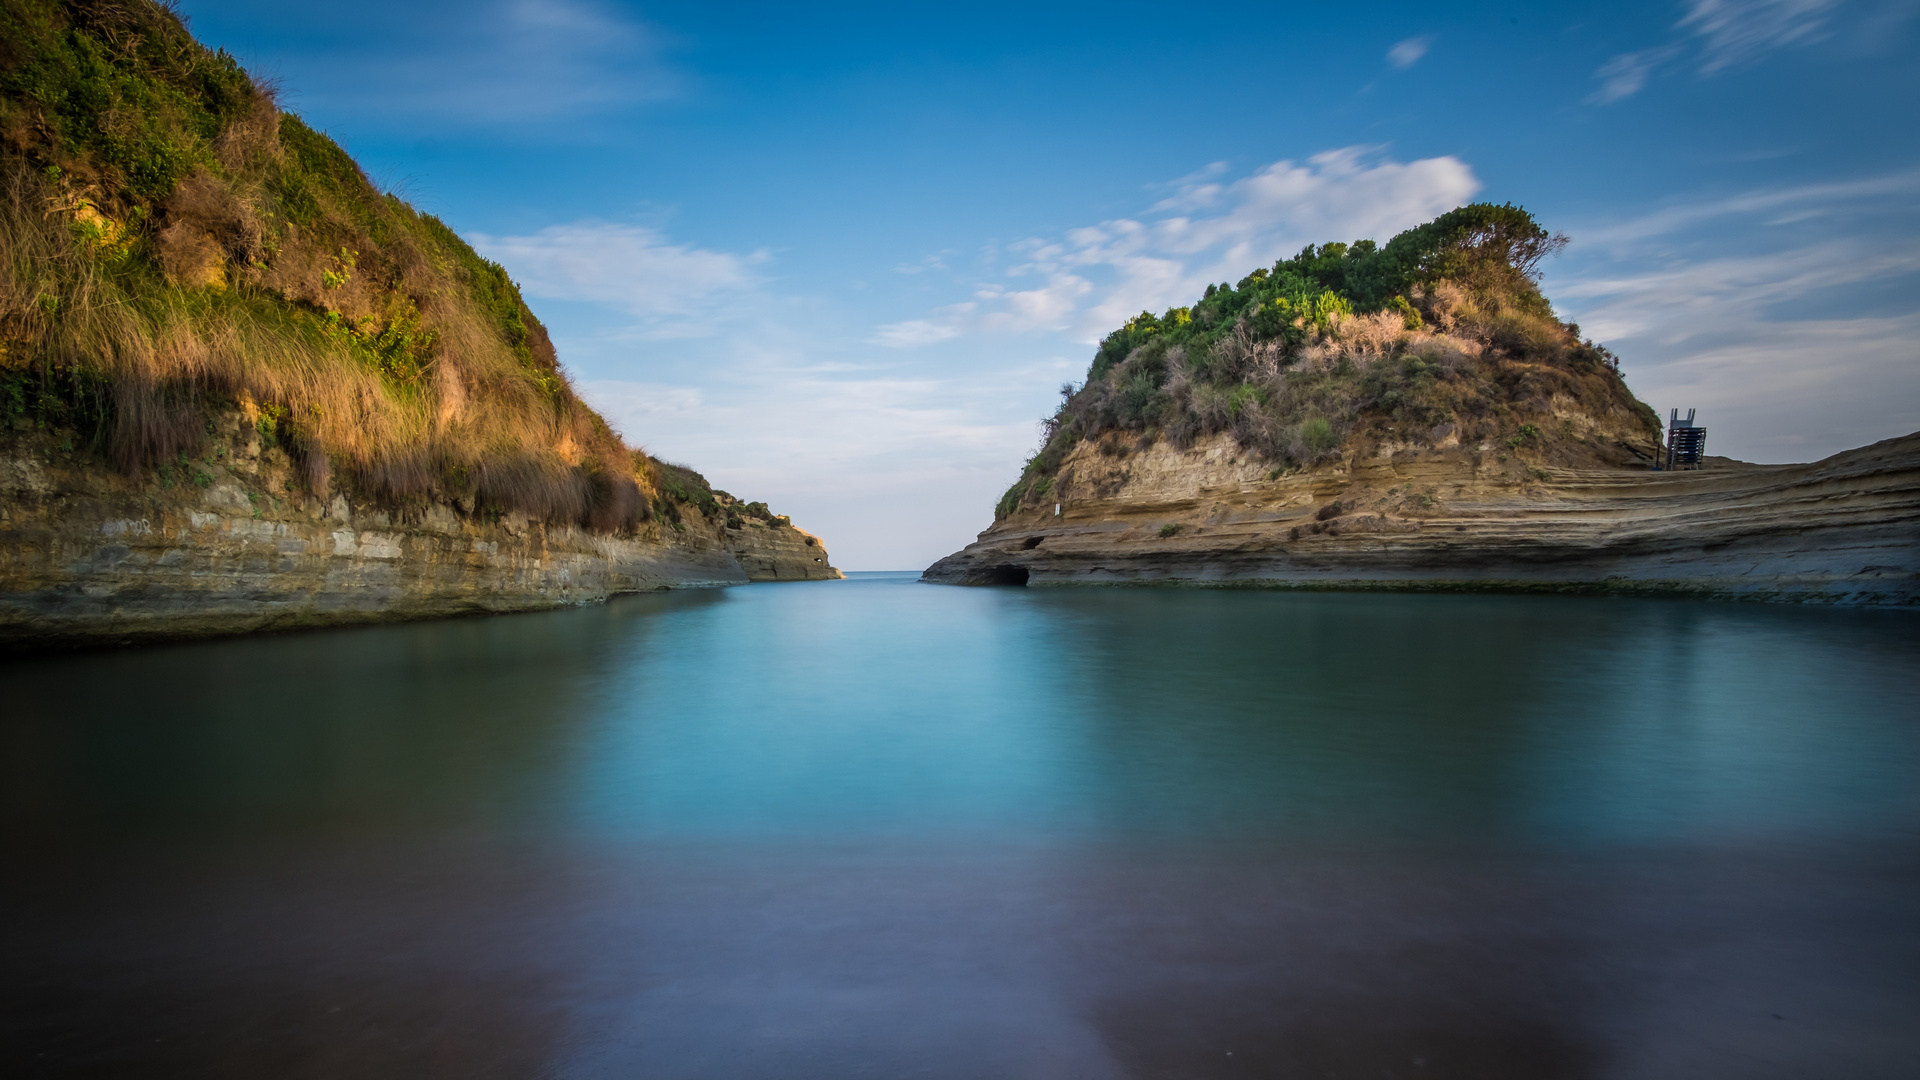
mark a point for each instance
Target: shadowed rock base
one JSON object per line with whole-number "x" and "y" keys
{"x": 1842, "y": 530}
{"x": 232, "y": 543}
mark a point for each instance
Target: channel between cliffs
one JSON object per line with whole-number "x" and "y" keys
{"x": 235, "y": 543}
{"x": 1842, "y": 530}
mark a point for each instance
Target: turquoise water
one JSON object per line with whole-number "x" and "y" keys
{"x": 875, "y": 827}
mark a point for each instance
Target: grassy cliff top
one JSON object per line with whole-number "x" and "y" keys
{"x": 1438, "y": 338}
{"x": 171, "y": 242}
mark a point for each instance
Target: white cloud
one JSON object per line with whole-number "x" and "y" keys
{"x": 1049, "y": 307}
{"x": 1344, "y": 193}
{"x": 1208, "y": 229}
{"x": 1407, "y": 53}
{"x": 674, "y": 288}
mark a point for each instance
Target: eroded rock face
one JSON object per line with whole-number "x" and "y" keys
{"x": 231, "y": 542}
{"x": 779, "y": 553}
{"x": 1846, "y": 529}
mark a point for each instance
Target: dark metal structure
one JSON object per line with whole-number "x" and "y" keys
{"x": 1686, "y": 443}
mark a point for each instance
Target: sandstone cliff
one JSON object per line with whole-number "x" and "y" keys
{"x": 1846, "y": 529}
{"x": 243, "y": 386}
{"x": 234, "y": 540}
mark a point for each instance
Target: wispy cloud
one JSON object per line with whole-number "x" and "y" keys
{"x": 1627, "y": 74}
{"x": 488, "y": 64}
{"x": 914, "y": 332}
{"x": 673, "y": 289}
{"x": 931, "y": 262}
{"x": 1798, "y": 391}
{"x": 1727, "y": 33}
{"x": 1776, "y": 205}
{"x": 1788, "y": 341}
{"x": 1407, "y": 53}
{"x": 642, "y": 401}
{"x": 1733, "y": 31}
{"x": 1685, "y": 300}
{"x": 1711, "y": 335}
{"x": 1091, "y": 279}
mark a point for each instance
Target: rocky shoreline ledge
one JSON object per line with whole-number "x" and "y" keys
{"x": 233, "y": 542}
{"x": 1842, "y": 530}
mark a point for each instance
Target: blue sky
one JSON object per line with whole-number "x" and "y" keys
{"x": 841, "y": 260}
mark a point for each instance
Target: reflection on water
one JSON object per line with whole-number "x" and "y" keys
{"x": 879, "y": 828}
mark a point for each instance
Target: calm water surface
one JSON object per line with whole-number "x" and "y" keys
{"x": 881, "y": 829}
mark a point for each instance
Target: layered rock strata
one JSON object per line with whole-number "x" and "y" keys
{"x": 1846, "y": 529}
{"x": 232, "y": 542}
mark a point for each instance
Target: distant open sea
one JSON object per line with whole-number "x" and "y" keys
{"x": 876, "y": 828}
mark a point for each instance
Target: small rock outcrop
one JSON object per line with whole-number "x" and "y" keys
{"x": 1414, "y": 415}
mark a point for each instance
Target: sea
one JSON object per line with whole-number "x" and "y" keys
{"x": 880, "y": 828}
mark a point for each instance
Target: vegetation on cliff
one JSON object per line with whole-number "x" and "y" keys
{"x": 1439, "y": 337}
{"x": 172, "y": 244}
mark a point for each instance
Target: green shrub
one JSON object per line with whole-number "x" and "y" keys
{"x": 683, "y": 485}
{"x": 1242, "y": 334}
{"x": 1171, "y": 528}
{"x": 1318, "y": 435}
{"x": 1010, "y": 501}
{"x": 1242, "y": 396}
{"x": 1409, "y": 315}
{"x": 1527, "y": 433}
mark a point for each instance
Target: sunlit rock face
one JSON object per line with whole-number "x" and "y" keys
{"x": 232, "y": 541}
{"x": 772, "y": 553}
{"x": 1846, "y": 529}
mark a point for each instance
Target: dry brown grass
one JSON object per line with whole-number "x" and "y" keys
{"x": 1477, "y": 369}
{"x": 217, "y": 324}
{"x": 171, "y": 244}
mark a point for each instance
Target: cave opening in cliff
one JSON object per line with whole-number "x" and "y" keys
{"x": 1007, "y": 575}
